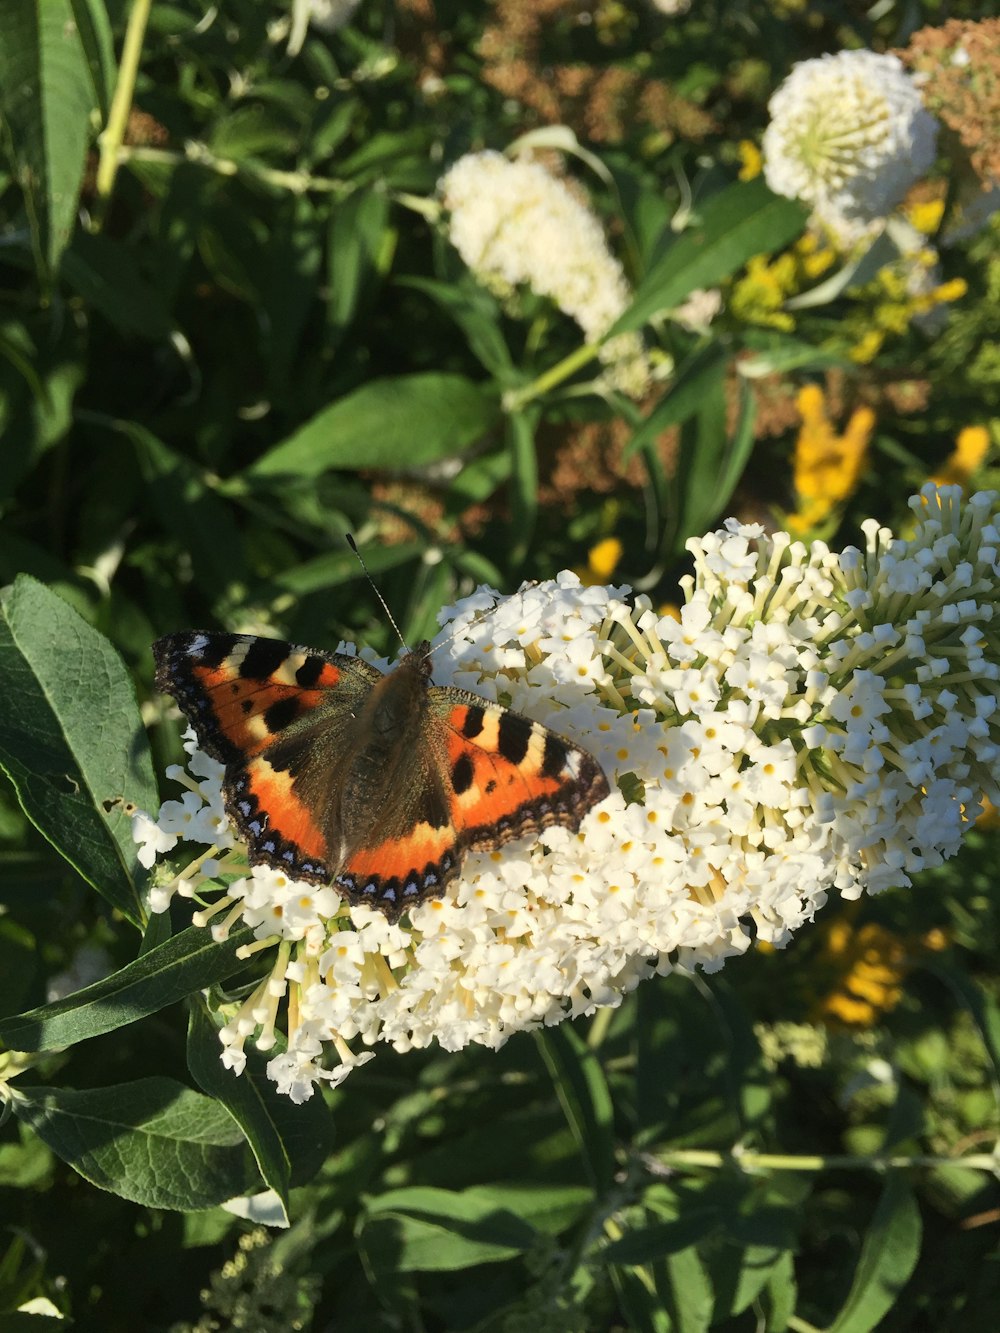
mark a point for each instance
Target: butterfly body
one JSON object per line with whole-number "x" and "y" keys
{"x": 377, "y": 782}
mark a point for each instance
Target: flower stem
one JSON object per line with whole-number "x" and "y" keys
{"x": 121, "y": 104}
{"x": 295, "y": 182}
{"x": 689, "y": 1158}
{"x": 562, "y": 370}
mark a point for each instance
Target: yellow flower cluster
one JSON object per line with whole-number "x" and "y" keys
{"x": 827, "y": 466}
{"x": 968, "y": 456}
{"x": 898, "y": 299}
{"x": 759, "y": 295}
{"x": 873, "y": 963}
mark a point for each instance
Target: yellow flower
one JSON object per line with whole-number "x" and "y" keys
{"x": 750, "y": 159}
{"x": 868, "y": 346}
{"x": 602, "y": 561}
{"x": 968, "y": 456}
{"x": 827, "y": 466}
{"x": 926, "y": 216}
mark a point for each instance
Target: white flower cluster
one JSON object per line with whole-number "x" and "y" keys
{"x": 849, "y": 135}
{"x": 515, "y": 223}
{"x": 811, "y": 722}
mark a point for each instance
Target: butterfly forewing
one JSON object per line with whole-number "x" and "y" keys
{"x": 510, "y": 776}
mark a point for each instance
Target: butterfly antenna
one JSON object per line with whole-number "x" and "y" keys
{"x": 354, "y": 547}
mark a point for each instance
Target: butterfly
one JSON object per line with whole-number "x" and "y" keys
{"x": 376, "y": 782}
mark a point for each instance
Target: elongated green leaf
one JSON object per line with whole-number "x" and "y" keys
{"x": 357, "y": 243}
{"x": 585, "y": 1098}
{"x": 433, "y": 1230}
{"x": 152, "y": 1141}
{"x": 405, "y": 422}
{"x": 742, "y": 221}
{"x": 476, "y": 313}
{"x": 780, "y": 1295}
{"x": 521, "y": 428}
{"x": 984, "y": 1011}
{"x": 711, "y": 461}
{"x": 46, "y": 98}
{"x": 190, "y": 512}
{"x": 888, "y": 1257}
{"x": 105, "y": 273}
{"x": 94, "y": 27}
{"x": 642, "y": 1245}
{"x": 699, "y": 377}
{"x": 334, "y": 568}
{"x": 74, "y": 747}
{"x": 688, "y": 1292}
{"x": 190, "y": 961}
{"x": 289, "y": 1142}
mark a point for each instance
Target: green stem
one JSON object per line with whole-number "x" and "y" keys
{"x": 562, "y": 370}
{"x": 754, "y": 1161}
{"x": 121, "y": 104}
{"x": 297, "y": 182}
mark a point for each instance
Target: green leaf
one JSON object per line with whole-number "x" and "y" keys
{"x": 644, "y": 1244}
{"x": 290, "y": 1143}
{"x": 250, "y": 132}
{"x": 524, "y": 483}
{"x": 334, "y": 568}
{"x": 358, "y": 232}
{"x": 46, "y": 100}
{"x": 697, "y": 379}
{"x": 403, "y": 422}
{"x": 888, "y": 1257}
{"x": 742, "y": 221}
{"x": 780, "y": 1296}
{"x": 687, "y": 1292}
{"x": 94, "y": 27}
{"x": 983, "y": 1009}
{"x": 169, "y": 972}
{"x": 106, "y": 275}
{"x": 74, "y": 747}
{"x": 423, "y": 1229}
{"x": 190, "y": 513}
{"x": 476, "y": 313}
{"x": 711, "y": 462}
{"x": 585, "y": 1098}
{"x": 153, "y": 1141}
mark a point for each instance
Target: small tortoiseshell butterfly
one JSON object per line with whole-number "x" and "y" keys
{"x": 377, "y": 783}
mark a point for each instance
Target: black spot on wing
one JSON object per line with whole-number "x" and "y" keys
{"x": 278, "y": 716}
{"x": 217, "y": 648}
{"x": 263, "y": 658}
{"x": 513, "y": 735}
{"x": 473, "y": 723}
{"x": 554, "y": 757}
{"x": 461, "y": 775}
{"x": 310, "y": 671}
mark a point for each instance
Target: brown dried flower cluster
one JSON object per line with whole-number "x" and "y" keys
{"x": 588, "y": 457}
{"x": 959, "y": 64}
{"x": 602, "y": 103}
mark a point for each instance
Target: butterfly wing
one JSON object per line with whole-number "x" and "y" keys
{"x": 275, "y": 714}
{"x": 509, "y": 776}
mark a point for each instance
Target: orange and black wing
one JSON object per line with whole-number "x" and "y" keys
{"x": 509, "y": 776}
{"x": 264, "y": 707}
